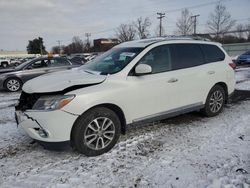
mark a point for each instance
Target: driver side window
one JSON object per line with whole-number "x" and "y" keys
{"x": 37, "y": 64}
{"x": 158, "y": 58}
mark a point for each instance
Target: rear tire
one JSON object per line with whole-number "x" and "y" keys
{"x": 13, "y": 84}
{"x": 215, "y": 101}
{"x": 96, "y": 131}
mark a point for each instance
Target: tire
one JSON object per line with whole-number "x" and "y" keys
{"x": 13, "y": 84}
{"x": 215, "y": 101}
{"x": 90, "y": 140}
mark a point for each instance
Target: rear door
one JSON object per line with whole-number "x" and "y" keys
{"x": 216, "y": 69}
{"x": 187, "y": 66}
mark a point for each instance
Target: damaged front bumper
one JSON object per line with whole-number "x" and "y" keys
{"x": 46, "y": 126}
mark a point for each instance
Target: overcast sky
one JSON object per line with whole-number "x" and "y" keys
{"x": 23, "y": 20}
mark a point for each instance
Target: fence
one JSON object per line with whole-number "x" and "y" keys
{"x": 236, "y": 48}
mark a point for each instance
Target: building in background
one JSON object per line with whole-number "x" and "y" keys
{"x": 104, "y": 44}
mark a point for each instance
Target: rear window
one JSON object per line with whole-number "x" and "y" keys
{"x": 212, "y": 53}
{"x": 186, "y": 55}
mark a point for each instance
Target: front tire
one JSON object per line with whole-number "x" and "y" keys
{"x": 215, "y": 101}
{"x": 13, "y": 84}
{"x": 96, "y": 131}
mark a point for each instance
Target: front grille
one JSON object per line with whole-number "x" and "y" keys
{"x": 27, "y": 101}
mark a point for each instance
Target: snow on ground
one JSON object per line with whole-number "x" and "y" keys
{"x": 242, "y": 74}
{"x": 185, "y": 151}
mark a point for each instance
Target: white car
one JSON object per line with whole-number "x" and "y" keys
{"x": 135, "y": 82}
{"x": 4, "y": 62}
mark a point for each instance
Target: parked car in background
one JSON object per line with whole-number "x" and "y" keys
{"x": 15, "y": 62}
{"x": 4, "y": 62}
{"x": 12, "y": 79}
{"x": 78, "y": 60}
{"x": 243, "y": 58}
{"x": 134, "y": 82}
{"x": 91, "y": 57}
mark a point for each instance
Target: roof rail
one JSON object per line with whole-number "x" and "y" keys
{"x": 185, "y": 37}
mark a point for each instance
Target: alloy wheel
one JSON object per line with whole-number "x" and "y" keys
{"x": 99, "y": 133}
{"x": 13, "y": 85}
{"x": 216, "y": 101}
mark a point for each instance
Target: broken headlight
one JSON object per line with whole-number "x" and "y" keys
{"x": 52, "y": 102}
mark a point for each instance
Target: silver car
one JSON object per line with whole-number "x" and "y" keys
{"x": 13, "y": 79}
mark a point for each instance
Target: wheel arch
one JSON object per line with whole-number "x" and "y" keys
{"x": 224, "y": 86}
{"x": 119, "y": 112}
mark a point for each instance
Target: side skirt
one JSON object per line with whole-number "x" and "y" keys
{"x": 169, "y": 113}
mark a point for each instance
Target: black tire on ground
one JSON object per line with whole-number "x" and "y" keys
{"x": 99, "y": 125}
{"x": 215, "y": 101}
{"x": 13, "y": 84}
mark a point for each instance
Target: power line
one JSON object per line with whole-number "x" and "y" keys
{"x": 169, "y": 11}
{"x": 160, "y": 17}
{"x": 174, "y": 10}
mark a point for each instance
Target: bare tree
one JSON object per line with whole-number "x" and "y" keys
{"x": 76, "y": 46}
{"x": 220, "y": 20}
{"x": 126, "y": 32}
{"x": 55, "y": 50}
{"x": 142, "y": 27}
{"x": 247, "y": 27}
{"x": 184, "y": 23}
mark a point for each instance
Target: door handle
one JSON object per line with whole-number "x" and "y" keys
{"x": 211, "y": 72}
{"x": 172, "y": 80}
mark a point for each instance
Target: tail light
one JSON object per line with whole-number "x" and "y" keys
{"x": 232, "y": 65}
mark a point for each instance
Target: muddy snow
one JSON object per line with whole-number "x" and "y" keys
{"x": 185, "y": 151}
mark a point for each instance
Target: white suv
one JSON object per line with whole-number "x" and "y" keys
{"x": 135, "y": 82}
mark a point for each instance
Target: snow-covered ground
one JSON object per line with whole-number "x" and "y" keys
{"x": 185, "y": 151}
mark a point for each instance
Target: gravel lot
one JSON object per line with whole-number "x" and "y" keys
{"x": 185, "y": 151}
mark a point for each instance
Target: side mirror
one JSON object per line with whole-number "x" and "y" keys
{"x": 143, "y": 69}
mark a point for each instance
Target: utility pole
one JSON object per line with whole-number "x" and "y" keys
{"x": 59, "y": 44}
{"x": 41, "y": 49}
{"x": 88, "y": 42}
{"x": 194, "y": 17}
{"x": 161, "y": 16}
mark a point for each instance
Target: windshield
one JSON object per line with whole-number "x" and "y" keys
{"x": 113, "y": 60}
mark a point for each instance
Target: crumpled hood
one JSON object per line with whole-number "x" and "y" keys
{"x": 59, "y": 81}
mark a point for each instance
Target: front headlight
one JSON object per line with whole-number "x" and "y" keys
{"x": 52, "y": 102}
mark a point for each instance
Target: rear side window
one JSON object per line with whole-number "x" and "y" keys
{"x": 186, "y": 55}
{"x": 212, "y": 53}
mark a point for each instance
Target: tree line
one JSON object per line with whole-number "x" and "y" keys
{"x": 218, "y": 26}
